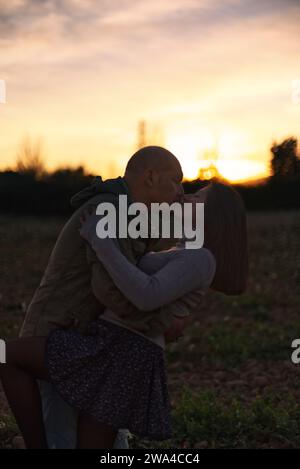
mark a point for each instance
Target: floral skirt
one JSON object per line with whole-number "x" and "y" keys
{"x": 114, "y": 375}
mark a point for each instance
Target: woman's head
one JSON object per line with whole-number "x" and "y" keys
{"x": 225, "y": 235}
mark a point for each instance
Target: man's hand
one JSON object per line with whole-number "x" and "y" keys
{"x": 175, "y": 330}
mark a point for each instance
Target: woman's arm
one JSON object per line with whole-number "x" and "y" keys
{"x": 153, "y": 261}
{"x": 186, "y": 270}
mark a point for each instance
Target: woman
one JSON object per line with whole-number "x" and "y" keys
{"x": 115, "y": 376}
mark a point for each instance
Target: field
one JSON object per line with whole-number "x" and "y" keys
{"x": 231, "y": 379}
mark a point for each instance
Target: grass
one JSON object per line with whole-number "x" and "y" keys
{"x": 208, "y": 420}
{"x": 231, "y": 344}
{"x": 8, "y": 429}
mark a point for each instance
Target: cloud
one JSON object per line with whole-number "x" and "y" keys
{"x": 99, "y": 66}
{"x": 56, "y": 32}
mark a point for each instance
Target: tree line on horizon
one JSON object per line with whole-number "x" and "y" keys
{"x": 31, "y": 189}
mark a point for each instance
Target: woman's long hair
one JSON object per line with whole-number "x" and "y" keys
{"x": 225, "y": 235}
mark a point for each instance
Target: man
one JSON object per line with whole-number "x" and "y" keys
{"x": 76, "y": 288}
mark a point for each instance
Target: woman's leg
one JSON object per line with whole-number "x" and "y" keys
{"x": 94, "y": 435}
{"x": 24, "y": 365}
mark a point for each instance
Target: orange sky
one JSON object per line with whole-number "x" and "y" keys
{"x": 214, "y": 77}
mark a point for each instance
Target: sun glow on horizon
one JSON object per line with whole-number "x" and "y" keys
{"x": 201, "y": 150}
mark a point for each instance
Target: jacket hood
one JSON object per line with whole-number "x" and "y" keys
{"x": 116, "y": 186}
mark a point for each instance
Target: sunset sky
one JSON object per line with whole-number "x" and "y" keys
{"x": 208, "y": 77}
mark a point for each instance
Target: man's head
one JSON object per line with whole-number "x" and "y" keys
{"x": 154, "y": 174}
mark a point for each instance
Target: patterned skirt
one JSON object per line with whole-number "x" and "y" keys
{"x": 114, "y": 375}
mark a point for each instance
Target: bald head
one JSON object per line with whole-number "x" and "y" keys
{"x": 151, "y": 157}
{"x": 154, "y": 174}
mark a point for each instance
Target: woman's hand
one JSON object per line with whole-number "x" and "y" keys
{"x": 88, "y": 224}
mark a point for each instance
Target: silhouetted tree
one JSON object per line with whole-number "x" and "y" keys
{"x": 30, "y": 159}
{"x": 210, "y": 172}
{"x": 68, "y": 177}
{"x": 285, "y": 163}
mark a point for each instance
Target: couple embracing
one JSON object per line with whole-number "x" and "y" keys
{"x": 89, "y": 365}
